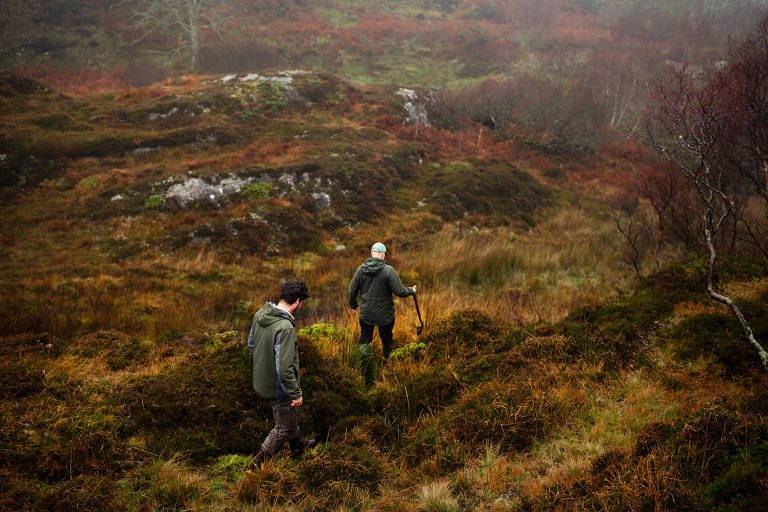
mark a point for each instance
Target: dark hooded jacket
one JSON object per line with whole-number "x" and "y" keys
{"x": 375, "y": 281}
{"x": 275, "y": 350}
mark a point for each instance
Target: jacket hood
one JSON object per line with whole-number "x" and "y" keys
{"x": 373, "y": 266}
{"x": 270, "y": 314}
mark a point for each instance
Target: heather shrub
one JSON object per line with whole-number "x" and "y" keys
{"x": 20, "y": 378}
{"x": 613, "y": 333}
{"x": 409, "y": 394}
{"x": 712, "y": 460}
{"x": 483, "y": 189}
{"x": 203, "y": 408}
{"x": 334, "y": 463}
{"x": 461, "y": 330}
{"x": 511, "y": 414}
{"x": 332, "y": 391}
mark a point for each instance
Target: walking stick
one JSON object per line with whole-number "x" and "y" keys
{"x": 421, "y": 327}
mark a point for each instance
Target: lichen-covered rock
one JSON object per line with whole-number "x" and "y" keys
{"x": 197, "y": 189}
{"x": 416, "y": 105}
{"x": 272, "y": 92}
{"x": 321, "y": 200}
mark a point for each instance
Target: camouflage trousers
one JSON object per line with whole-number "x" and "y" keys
{"x": 286, "y": 426}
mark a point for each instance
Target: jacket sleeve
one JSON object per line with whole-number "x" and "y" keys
{"x": 354, "y": 289}
{"x": 289, "y": 359}
{"x": 250, "y": 336}
{"x": 396, "y": 285}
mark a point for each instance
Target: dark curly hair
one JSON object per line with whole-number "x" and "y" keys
{"x": 290, "y": 291}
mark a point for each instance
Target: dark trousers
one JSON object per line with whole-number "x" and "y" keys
{"x": 286, "y": 426}
{"x": 385, "y": 332}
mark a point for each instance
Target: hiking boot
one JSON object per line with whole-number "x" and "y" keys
{"x": 298, "y": 446}
{"x": 256, "y": 463}
{"x": 367, "y": 364}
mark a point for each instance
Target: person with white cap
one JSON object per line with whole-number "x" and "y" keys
{"x": 375, "y": 281}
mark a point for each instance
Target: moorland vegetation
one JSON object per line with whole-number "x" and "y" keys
{"x": 571, "y": 360}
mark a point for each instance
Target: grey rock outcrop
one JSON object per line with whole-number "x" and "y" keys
{"x": 416, "y": 105}
{"x": 197, "y": 189}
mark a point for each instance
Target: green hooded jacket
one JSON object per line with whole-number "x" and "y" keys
{"x": 275, "y": 351}
{"x": 375, "y": 280}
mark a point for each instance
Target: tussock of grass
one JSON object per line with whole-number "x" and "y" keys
{"x": 436, "y": 497}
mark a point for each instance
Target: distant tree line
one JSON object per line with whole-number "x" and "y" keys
{"x": 562, "y": 107}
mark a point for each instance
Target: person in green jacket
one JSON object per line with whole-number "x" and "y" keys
{"x": 375, "y": 281}
{"x": 274, "y": 346}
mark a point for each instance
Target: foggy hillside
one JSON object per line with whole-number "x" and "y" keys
{"x": 435, "y": 43}
{"x": 577, "y": 188}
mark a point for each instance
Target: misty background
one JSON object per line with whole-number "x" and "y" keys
{"x": 578, "y": 71}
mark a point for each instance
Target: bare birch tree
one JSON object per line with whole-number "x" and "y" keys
{"x": 188, "y": 22}
{"x": 695, "y": 121}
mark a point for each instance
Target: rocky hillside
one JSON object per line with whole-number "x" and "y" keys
{"x": 140, "y": 230}
{"x": 241, "y": 166}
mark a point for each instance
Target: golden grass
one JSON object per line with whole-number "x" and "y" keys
{"x": 436, "y": 497}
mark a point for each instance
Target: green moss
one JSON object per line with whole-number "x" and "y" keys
{"x": 229, "y": 467}
{"x": 257, "y": 191}
{"x": 221, "y": 340}
{"x": 410, "y": 351}
{"x": 154, "y": 202}
{"x": 320, "y": 332}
